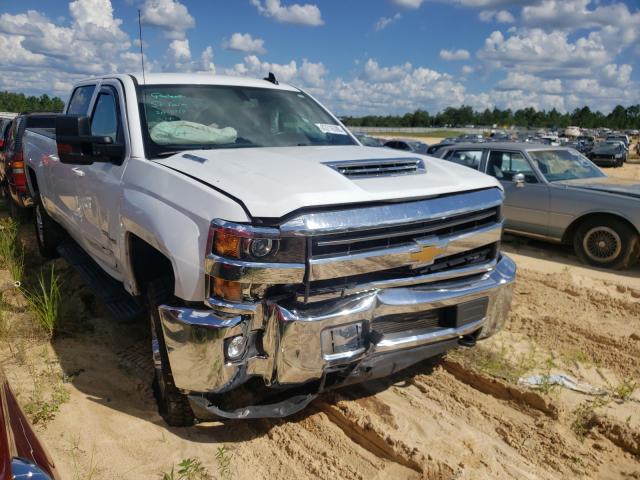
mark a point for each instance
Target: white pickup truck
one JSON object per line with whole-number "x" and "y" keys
{"x": 277, "y": 256}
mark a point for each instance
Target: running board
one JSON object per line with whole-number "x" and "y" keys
{"x": 122, "y": 306}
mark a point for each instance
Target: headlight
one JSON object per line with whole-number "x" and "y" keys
{"x": 259, "y": 244}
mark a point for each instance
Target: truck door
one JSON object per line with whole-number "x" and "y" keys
{"x": 99, "y": 187}
{"x": 63, "y": 178}
{"x": 526, "y": 208}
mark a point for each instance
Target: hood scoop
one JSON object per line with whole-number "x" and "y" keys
{"x": 384, "y": 167}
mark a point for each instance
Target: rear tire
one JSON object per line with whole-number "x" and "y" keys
{"x": 607, "y": 242}
{"x": 173, "y": 405}
{"x": 48, "y": 233}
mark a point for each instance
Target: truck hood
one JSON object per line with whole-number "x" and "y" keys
{"x": 619, "y": 186}
{"x": 272, "y": 182}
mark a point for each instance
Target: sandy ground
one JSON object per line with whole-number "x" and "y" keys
{"x": 462, "y": 417}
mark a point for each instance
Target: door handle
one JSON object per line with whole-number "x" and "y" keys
{"x": 78, "y": 172}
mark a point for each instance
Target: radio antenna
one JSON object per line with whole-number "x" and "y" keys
{"x": 144, "y": 79}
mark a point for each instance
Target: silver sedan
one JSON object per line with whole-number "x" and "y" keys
{"x": 557, "y": 194}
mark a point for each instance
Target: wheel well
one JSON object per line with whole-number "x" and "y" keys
{"x": 148, "y": 263}
{"x": 571, "y": 230}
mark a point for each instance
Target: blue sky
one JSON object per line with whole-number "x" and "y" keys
{"x": 358, "y": 56}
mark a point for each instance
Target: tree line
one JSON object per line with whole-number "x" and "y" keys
{"x": 619, "y": 118}
{"x": 19, "y": 102}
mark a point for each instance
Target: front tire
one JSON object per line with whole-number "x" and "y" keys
{"x": 48, "y": 233}
{"x": 607, "y": 242}
{"x": 173, "y": 405}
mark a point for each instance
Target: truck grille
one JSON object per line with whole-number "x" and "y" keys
{"x": 379, "y": 168}
{"x": 470, "y": 258}
{"x": 362, "y": 241}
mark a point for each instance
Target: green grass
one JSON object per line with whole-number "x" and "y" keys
{"x": 501, "y": 362}
{"x": 45, "y": 301}
{"x": 42, "y": 411}
{"x": 188, "y": 469}
{"x": 11, "y": 249}
{"x": 624, "y": 390}
{"x": 583, "y": 417}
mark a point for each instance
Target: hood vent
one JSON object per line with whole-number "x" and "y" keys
{"x": 386, "y": 167}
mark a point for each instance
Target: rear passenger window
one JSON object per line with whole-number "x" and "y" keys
{"x": 504, "y": 165}
{"x": 468, "y": 158}
{"x": 80, "y": 100}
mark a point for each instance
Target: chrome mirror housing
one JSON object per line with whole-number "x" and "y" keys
{"x": 518, "y": 178}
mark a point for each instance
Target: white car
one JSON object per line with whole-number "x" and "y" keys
{"x": 278, "y": 256}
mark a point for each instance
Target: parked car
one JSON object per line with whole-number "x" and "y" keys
{"x": 608, "y": 154}
{"x": 12, "y": 174}
{"x": 277, "y": 256}
{"x": 557, "y": 194}
{"x": 434, "y": 149}
{"x": 619, "y": 138}
{"x": 5, "y": 124}
{"x": 407, "y": 145}
{"x": 22, "y": 455}
{"x": 369, "y": 141}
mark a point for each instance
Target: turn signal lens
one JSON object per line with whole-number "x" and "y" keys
{"x": 227, "y": 244}
{"x": 231, "y": 291}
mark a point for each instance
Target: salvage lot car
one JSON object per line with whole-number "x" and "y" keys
{"x": 609, "y": 154}
{"x": 278, "y": 256}
{"x": 22, "y": 455}
{"x": 558, "y": 195}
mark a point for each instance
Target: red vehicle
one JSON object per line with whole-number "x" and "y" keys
{"x": 22, "y": 456}
{"x": 12, "y": 173}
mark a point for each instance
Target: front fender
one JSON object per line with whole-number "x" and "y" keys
{"x": 172, "y": 213}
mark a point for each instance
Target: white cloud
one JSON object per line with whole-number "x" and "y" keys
{"x": 501, "y": 16}
{"x": 384, "y": 22}
{"x": 530, "y": 83}
{"x": 374, "y": 73}
{"x": 206, "y": 60}
{"x": 548, "y": 54}
{"x": 450, "y": 55}
{"x": 244, "y": 42}
{"x": 169, "y": 15}
{"x": 179, "y": 50}
{"x": 307, "y": 14}
{"x": 408, "y": 3}
{"x": 467, "y": 69}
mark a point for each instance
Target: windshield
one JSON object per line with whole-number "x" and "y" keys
{"x": 183, "y": 117}
{"x": 566, "y": 164}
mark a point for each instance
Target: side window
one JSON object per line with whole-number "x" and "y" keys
{"x": 468, "y": 158}
{"x": 105, "y": 120}
{"x": 504, "y": 165}
{"x": 80, "y": 100}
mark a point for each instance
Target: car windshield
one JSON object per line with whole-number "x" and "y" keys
{"x": 564, "y": 164}
{"x": 183, "y": 117}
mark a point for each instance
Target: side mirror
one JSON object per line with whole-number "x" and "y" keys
{"x": 518, "y": 178}
{"x": 77, "y": 146}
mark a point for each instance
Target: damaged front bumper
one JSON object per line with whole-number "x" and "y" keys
{"x": 356, "y": 337}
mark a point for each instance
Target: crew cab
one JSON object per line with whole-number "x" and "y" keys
{"x": 278, "y": 257}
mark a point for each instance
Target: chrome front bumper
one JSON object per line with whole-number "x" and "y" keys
{"x": 285, "y": 340}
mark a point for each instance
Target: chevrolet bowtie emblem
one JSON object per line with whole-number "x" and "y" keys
{"x": 427, "y": 254}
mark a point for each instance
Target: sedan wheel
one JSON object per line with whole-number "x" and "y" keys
{"x": 607, "y": 242}
{"x": 602, "y": 244}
